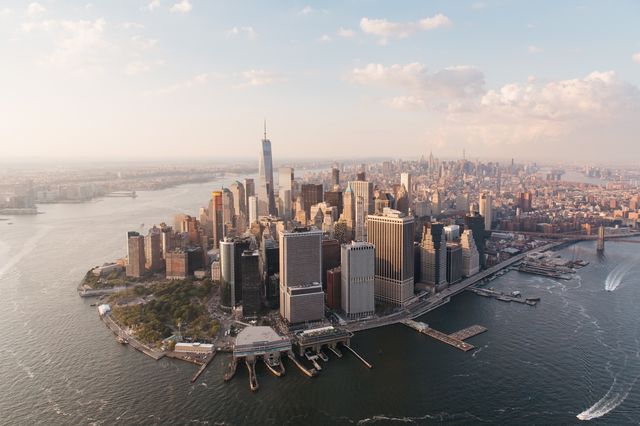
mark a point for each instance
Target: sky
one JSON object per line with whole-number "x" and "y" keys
{"x": 194, "y": 79}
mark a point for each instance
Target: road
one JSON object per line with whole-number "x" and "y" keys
{"x": 428, "y": 304}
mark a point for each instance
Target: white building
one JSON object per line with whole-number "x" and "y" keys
{"x": 358, "y": 279}
{"x": 470, "y": 255}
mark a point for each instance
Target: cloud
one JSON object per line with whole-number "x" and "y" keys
{"x": 257, "y": 78}
{"x": 153, "y": 5}
{"x": 534, "y": 49}
{"x": 135, "y": 68}
{"x": 636, "y": 57}
{"x": 132, "y": 26}
{"x": 346, "y": 32}
{"x": 478, "y": 5}
{"x": 388, "y": 29}
{"x": 449, "y": 88}
{"x": 249, "y": 32}
{"x": 184, "y": 6}
{"x": 307, "y": 10}
{"x": 324, "y": 38}
{"x": 196, "y": 81}
{"x": 144, "y": 43}
{"x": 35, "y": 9}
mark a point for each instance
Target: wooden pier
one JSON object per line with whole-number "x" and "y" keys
{"x": 311, "y": 373}
{"x": 468, "y": 332}
{"x": 364, "y": 361}
{"x": 203, "y": 367}
{"x": 456, "y": 339}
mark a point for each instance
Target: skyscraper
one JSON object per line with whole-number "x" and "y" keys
{"x": 311, "y": 194}
{"x": 227, "y": 274}
{"x": 239, "y": 199}
{"x": 405, "y": 180}
{"x": 253, "y": 209}
{"x": 249, "y": 190}
{"x": 217, "y": 218}
{"x": 251, "y": 283}
{"x": 454, "y": 263}
{"x": 335, "y": 178}
{"x": 360, "y": 231}
{"x": 433, "y": 255}
{"x": 266, "y": 199}
{"x": 486, "y": 209}
{"x": 358, "y": 279}
{"x": 301, "y": 295}
{"x": 153, "y": 250}
{"x": 135, "y": 255}
{"x": 470, "y": 256}
{"x": 285, "y": 191}
{"x": 392, "y": 235}
{"x": 475, "y": 223}
{"x": 349, "y": 211}
{"x": 364, "y": 189}
{"x": 228, "y": 211}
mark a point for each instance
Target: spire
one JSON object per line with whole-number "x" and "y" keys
{"x": 265, "y": 129}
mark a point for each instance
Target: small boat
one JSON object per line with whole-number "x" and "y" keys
{"x": 122, "y": 340}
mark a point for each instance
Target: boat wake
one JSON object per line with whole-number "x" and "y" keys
{"x": 614, "y": 397}
{"x": 615, "y": 277}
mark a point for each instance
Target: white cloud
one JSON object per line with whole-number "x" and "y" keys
{"x": 636, "y": 57}
{"x": 183, "y": 6}
{"x": 449, "y": 88}
{"x": 144, "y": 43}
{"x": 258, "y": 78}
{"x": 324, "y": 38}
{"x": 196, "y": 81}
{"x": 132, "y": 26}
{"x": 135, "y": 68}
{"x": 388, "y": 29}
{"x": 307, "y": 10}
{"x": 534, "y": 49}
{"x": 346, "y": 32}
{"x": 152, "y": 5}
{"x": 407, "y": 102}
{"x": 249, "y": 32}
{"x": 35, "y": 9}
{"x": 478, "y": 5}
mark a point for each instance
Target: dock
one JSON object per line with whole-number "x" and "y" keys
{"x": 336, "y": 351}
{"x": 253, "y": 379}
{"x": 453, "y": 339}
{"x": 468, "y": 332}
{"x": 364, "y": 361}
{"x": 231, "y": 370}
{"x": 311, "y": 373}
{"x": 203, "y": 367}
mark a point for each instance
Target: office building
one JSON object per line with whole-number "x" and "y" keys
{"x": 334, "y": 288}
{"x": 392, "y": 235}
{"x": 454, "y": 263}
{"x": 433, "y": 255}
{"x": 311, "y": 194}
{"x": 358, "y": 279}
{"x": 217, "y": 218}
{"x": 330, "y": 257}
{"x": 239, "y": 198}
{"x": 363, "y": 189}
{"x": 335, "y": 178}
{"x": 227, "y": 274}
{"x": 349, "y": 212}
{"x": 153, "y": 250}
{"x": 269, "y": 269}
{"x": 470, "y": 256}
{"x": 265, "y": 189}
{"x": 405, "y": 181}
{"x": 475, "y": 223}
{"x": 251, "y": 283}
{"x": 253, "y": 209}
{"x": 452, "y": 232}
{"x": 135, "y": 255}
{"x": 486, "y": 209}
{"x": 335, "y": 199}
{"x": 301, "y": 295}
{"x": 249, "y": 190}
{"x": 177, "y": 264}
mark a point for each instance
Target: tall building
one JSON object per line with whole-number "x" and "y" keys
{"x": 392, "y": 235}
{"x": 360, "y": 233}
{"x": 253, "y": 209}
{"x": 486, "y": 209}
{"x": 334, "y": 288}
{"x": 358, "y": 279}
{"x": 349, "y": 211}
{"x": 264, "y": 192}
{"x": 228, "y": 211}
{"x": 364, "y": 189}
{"x": 217, "y": 218}
{"x": 475, "y": 223}
{"x": 433, "y": 255}
{"x": 249, "y": 190}
{"x": 454, "y": 263}
{"x": 334, "y": 198}
{"x": 330, "y": 257}
{"x": 452, "y": 232}
{"x": 251, "y": 283}
{"x": 239, "y": 198}
{"x": 405, "y": 181}
{"x": 153, "y": 250}
{"x": 470, "y": 257}
{"x": 135, "y": 255}
{"x": 285, "y": 191}
{"x": 177, "y": 264}
{"x": 270, "y": 269}
{"x": 227, "y": 274}
{"x": 301, "y": 295}
{"x": 311, "y": 194}
{"x": 335, "y": 178}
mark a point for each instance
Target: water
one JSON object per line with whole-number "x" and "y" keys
{"x": 575, "y": 354}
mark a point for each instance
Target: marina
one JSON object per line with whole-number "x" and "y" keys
{"x": 503, "y": 297}
{"x": 455, "y": 339}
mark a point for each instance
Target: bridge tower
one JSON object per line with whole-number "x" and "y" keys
{"x": 600, "y": 244}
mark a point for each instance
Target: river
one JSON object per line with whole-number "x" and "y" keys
{"x": 576, "y": 353}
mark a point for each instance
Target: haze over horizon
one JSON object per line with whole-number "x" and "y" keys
{"x": 184, "y": 79}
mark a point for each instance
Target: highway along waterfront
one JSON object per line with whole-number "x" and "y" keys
{"x": 573, "y": 357}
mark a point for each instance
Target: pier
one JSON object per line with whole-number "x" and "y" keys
{"x": 203, "y": 367}
{"x": 456, "y": 339}
{"x": 231, "y": 369}
{"x": 253, "y": 379}
{"x": 311, "y": 373}
{"x": 364, "y": 361}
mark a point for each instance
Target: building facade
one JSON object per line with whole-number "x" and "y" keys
{"x": 358, "y": 279}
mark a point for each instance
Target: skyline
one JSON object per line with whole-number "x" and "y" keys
{"x": 156, "y": 80}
